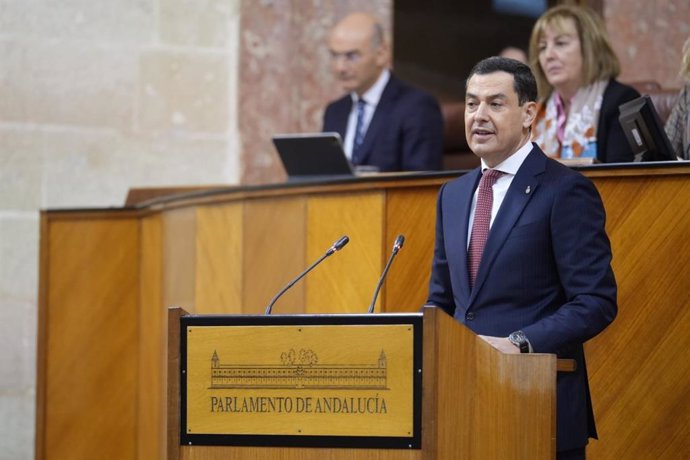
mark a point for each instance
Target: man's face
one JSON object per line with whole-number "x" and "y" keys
{"x": 355, "y": 60}
{"x": 495, "y": 125}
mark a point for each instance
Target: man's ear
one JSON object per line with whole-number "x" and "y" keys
{"x": 529, "y": 113}
{"x": 383, "y": 55}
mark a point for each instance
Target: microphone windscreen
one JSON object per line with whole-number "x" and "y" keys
{"x": 338, "y": 245}
{"x": 399, "y": 241}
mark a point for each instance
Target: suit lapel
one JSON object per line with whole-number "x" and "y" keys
{"x": 461, "y": 218}
{"x": 343, "y": 116}
{"x": 523, "y": 187}
{"x": 378, "y": 121}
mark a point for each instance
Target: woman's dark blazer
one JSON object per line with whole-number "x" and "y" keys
{"x": 612, "y": 145}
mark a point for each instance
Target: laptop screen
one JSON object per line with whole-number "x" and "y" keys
{"x": 311, "y": 155}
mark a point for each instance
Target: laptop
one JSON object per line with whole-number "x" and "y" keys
{"x": 313, "y": 155}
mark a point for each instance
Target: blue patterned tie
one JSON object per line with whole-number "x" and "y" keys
{"x": 359, "y": 131}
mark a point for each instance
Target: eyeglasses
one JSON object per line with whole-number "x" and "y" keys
{"x": 350, "y": 57}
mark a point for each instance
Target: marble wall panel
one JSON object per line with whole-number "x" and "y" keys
{"x": 67, "y": 167}
{"x": 17, "y": 423}
{"x": 19, "y": 250}
{"x": 58, "y": 83}
{"x": 122, "y": 21}
{"x": 90, "y": 169}
{"x": 200, "y": 23}
{"x": 648, "y": 36}
{"x": 18, "y": 339}
{"x": 183, "y": 91}
{"x": 20, "y": 174}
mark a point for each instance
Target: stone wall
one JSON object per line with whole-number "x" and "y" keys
{"x": 97, "y": 97}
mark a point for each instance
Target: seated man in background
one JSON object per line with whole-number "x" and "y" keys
{"x": 385, "y": 123}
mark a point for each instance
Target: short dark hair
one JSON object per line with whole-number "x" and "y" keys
{"x": 523, "y": 79}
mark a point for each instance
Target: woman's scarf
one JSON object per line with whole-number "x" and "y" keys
{"x": 571, "y": 135}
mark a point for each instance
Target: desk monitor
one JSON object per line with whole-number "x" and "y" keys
{"x": 312, "y": 155}
{"x": 645, "y": 131}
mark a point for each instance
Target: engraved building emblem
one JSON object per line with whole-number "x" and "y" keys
{"x": 300, "y": 369}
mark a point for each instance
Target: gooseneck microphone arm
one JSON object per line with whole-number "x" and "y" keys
{"x": 396, "y": 247}
{"x": 337, "y": 246}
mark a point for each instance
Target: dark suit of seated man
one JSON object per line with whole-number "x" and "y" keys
{"x": 522, "y": 257}
{"x": 384, "y": 122}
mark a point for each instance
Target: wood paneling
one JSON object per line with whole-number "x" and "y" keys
{"x": 151, "y": 412}
{"x": 411, "y": 212}
{"x": 91, "y": 339}
{"x": 275, "y": 247}
{"x": 219, "y": 256}
{"x": 345, "y": 283}
{"x": 173, "y": 421}
{"x": 473, "y": 411}
{"x": 42, "y": 334}
{"x": 179, "y": 258}
{"x": 254, "y": 453}
{"x": 639, "y": 376}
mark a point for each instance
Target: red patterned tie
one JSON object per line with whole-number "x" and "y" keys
{"x": 482, "y": 218}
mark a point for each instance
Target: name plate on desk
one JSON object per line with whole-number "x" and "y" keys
{"x": 329, "y": 380}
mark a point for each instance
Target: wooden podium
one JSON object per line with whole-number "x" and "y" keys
{"x": 468, "y": 400}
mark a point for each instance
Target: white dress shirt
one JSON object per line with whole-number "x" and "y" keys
{"x": 509, "y": 167}
{"x": 371, "y": 97}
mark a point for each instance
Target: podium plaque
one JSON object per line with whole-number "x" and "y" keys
{"x": 333, "y": 380}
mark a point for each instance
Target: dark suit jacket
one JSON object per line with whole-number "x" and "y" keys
{"x": 405, "y": 133}
{"x": 612, "y": 146}
{"x": 545, "y": 270}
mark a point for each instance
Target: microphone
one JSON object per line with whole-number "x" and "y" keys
{"x": 337, "y": 246}
{"x": 396, "y": 247}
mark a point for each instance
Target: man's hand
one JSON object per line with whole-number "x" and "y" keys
{"x": 501, "y": 343}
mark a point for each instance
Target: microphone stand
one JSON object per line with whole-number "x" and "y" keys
{"x": 396, "y": 247}
{"x": 332, "y": 250}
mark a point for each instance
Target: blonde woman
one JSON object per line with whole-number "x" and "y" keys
{"x": 576, "y": 72}
{"x": 678, "y": 123}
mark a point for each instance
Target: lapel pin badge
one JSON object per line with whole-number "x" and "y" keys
{"x": 527, "y": 190}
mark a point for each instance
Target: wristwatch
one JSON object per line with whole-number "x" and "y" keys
{"x": 519, "y": 339}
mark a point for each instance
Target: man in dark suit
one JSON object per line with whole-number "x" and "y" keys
{"x": 525, "y": 262}
{"x": 385, "y": 123}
